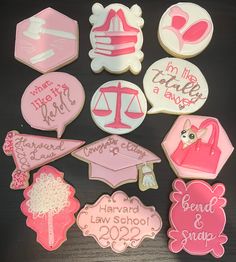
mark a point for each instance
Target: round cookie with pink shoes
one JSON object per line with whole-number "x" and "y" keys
{"x": 47, "y": 41}
{"x": 197, "y": 147}
{"x": 185, "y": 30}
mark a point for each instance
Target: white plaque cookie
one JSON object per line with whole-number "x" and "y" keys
{"x": 116, "y": 38}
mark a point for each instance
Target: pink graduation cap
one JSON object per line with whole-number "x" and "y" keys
{"x": 117, "y": 161}
{"x": 30, "y": 152}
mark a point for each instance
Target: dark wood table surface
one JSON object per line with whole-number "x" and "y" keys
{"x": 217, "y": 62}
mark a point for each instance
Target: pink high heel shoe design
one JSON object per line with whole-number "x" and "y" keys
{"x": 120, "y": 36}
{"x": 193, "y": 34}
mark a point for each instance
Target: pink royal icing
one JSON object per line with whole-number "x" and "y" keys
{"x": 185, "y": 29}
{"x": 30, "y": 152}
{"x": 193, "y": 34}
{"x": 50, "y": 206}
{"x": 116, "y": 38}
{"x": 118, "y": 107}
{"x": 119, "y": 222}
{"x": 115, "y": 160}
{"x": 197, "y": 147}
{"x": 47, "y": 41}
{"x": 197, "y": 218}
{"x": 123, "y": 41}
{"x": 52, "y": 101}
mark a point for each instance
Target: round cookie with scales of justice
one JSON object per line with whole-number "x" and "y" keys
{"x": 118, "y": 107}
{"x": 185, "y": 30}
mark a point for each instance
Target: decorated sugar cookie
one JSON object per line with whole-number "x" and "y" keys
{"x": 30, "y": 152}
{"x": 197, "y": 218}
{"x": 119, "y": 222}
{"x": 116, "y": 38}
{"x": 117, "y": 161}
{"x": 47, "y": 41}
{"x": 52, "y": 101}
{"x": 50, "y": 206}
{"x": 197, "y": 147}
{"x": 185, "y": 30}
{"x": 175, "y": 86}
{"x": 118, "y": 107}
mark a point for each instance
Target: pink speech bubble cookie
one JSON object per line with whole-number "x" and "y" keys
{"x": 47, "y": 41}
{"x": 117, "y": 161}
{"x": 30, "y": 152}
{"x": 52, "y": 101}
{"x": 197, "y": 218}
{"x": 50, "y": 206}
{"x": 185, "y": 30}
{"x": 197, "y": 147}
{"x": 119, "y": 222}
{"x": 116, "y": 38}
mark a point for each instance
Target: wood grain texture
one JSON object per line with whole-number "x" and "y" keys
{"x": 217, "y": 63}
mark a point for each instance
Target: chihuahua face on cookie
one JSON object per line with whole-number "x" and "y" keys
{"x": 188, "y": 135}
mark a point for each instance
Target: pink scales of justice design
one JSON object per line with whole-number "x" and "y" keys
{"x": 50, "y": 206}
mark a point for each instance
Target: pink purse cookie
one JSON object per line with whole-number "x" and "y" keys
{"x": 30, "y": 152}
{"x": 197, "y": 218}
{"x": 197, "y": 147}
{"x": 50, "y": 206}
{"x": 119, "y": 222}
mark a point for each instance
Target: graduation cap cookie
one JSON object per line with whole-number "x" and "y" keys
{"x": 117, "y": 161}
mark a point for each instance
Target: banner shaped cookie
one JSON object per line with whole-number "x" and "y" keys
{"x": 119, "y": 222}
{"x": 118, "y": 107}
{"x": 174, "y": 86}
{"x": 50, "y": 206}
{"x": 185, "y": 30}
{"x": 197, "y": 147}
{"x": 47, "y": 41}
{"x": 116, "y": 161}
{"x": 197, "y": 218}
{"x": 52, "y": 101}
{"x": 30, "y": 152}
{"x": 116, "y": 38}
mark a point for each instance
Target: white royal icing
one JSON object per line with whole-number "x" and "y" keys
{"x": 185, "y": 29}
{"x": 116, "y": 38}
{"x": 175, "y": 86}
{"x": 118, "y": 107}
